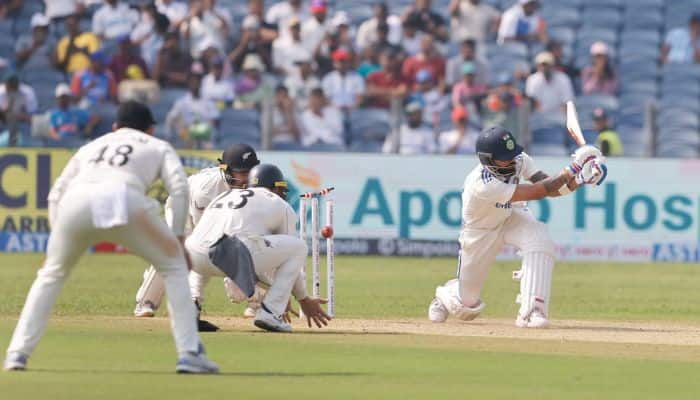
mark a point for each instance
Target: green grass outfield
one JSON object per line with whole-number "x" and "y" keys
{"x": 94, "y": 350}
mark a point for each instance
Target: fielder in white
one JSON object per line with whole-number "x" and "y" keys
{"x": 100, "y": 196}
{"x": 494, "y": 213}
{"x": 235, "y": 164}
{"x": 249, "y": 235}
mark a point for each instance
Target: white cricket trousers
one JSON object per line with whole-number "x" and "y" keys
{"x": 145, "y": 235}
{"x": 278, "y": 261}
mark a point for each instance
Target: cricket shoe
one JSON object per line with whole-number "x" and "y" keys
{"x": 437, "y": 312}
{"x": 536, "y": 319}
{"x": 264, "y": 319}
{"x": 196, "y": 363}
{"x": 145, "y": 310}
{"x": 15, "y": 362}
{"x": 202, "y": 325}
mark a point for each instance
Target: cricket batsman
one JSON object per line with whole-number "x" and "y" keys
{"x": 494, "y": 213}
{"x": 232, "y": 173}
{"x": 249, "y": 235}
{"x": 101, "y": 197}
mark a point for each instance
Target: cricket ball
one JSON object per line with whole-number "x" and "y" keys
{"x": 327, "y": 231}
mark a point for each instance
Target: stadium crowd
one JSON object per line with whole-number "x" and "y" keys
{"x": 317, "y": 64}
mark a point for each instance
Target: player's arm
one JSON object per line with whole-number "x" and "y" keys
{"x": 175, "y": 180}
{"x": 61, "y": 184}
{"x": 547, "y": 187}
{"x": 570, "y": 186}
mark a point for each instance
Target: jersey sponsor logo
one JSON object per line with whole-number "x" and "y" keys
{"x": 505, "y": 206}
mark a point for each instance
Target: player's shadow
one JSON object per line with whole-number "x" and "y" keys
{"x": 318, "y": 332}
{"x": 225, "y": 373}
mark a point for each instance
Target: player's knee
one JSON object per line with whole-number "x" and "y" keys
{"x": 540, "y": 241}
{"x": 300, "y": 248}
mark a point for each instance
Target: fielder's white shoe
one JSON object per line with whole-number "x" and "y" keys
{"x": 536, "y": 319}
{"x": 144, "y": 310}
{"x": 265, "y": 320}
{"x": 437, "y": 312}
{"x": 196, "y": 363}
{"x": 15, "y": 362}
{"x": 250, "y": 312}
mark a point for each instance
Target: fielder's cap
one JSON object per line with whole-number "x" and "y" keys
{"x": 135, "y": 115}
{"x": 458, "y": 114}
{"x": 253, "y": 62}
{"x": 38, "y": 20}
{"x": 424, "y": 76}
{"x": 238, "y": 158}
{"x": 318, "y": 6}
{"x": 544, "y": 57}
{"x": 251, "y": 22}
{"x": 413, "y": 106}
{"x": 341, "y": 55}
{"x": 599, "y": 113}
{"x": 468, "y": 68}
{"x": 599, "y": 49}
{"x": 62, "y": 89}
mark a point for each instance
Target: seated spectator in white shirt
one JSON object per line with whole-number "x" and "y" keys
{"x": 34, "y": 50}
{"x": 321, "y": 123}
{"x": 522, "y": 23}
{"x": 414, "y": 136}
{"x": 430, "y": 97}
{"x": 467, "y": 53}
{"x": 206, "y": 25}
{"x": 17, "y": 104}
{"x": 286, "y": 48}
{"x": 302, "y": 82}
{"x": 344, "y": 87}
{"x": 149, "y": 35}
{"x": 412, "y": 36}
{"x": 114, "y": 19}
{"x": 457, "y": 140}
{"x": 285, "y": 128}
{"x": 175, "y": 10}
{"x": 192, "y": 117}
{"x": 280, "y": 13}
{"x": 216, "y": 87}
{"x": 315, "y": 29}
{"x": 682, "y": 45}
{"x": 472, "y": 19}
{"x": 367, "y": 34}
{"x": 550, "y": 89}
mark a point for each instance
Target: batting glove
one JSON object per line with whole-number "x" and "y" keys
{"x": 593, "y": 172}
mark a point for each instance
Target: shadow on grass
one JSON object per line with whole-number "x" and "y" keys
{"x": 241, "y": 374}
{"x": 315, "y": 332}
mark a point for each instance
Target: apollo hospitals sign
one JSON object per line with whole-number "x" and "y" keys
{"x": 648, "y": 210}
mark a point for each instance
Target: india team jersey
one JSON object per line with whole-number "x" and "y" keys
{"x": 128, "y": 157}
{"x": 205, "y": 185}
{"x": 486, "y": 200}
{"x": 243, "y": 212}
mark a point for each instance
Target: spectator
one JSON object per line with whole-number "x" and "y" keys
{"x": 284, "y": 118}
{"x": 68, "y": 124}
{"x": 34, "y": 51}
{"x": 467, "y": 53}
{"x": 608, "y": 140}
{"x": 468, "y": 92}
{"x": 599, "y": 77}
{"x": 257, "y": 37}
{"x": 114, "y": 20}
{"x": 73, "y": 50}
{"x": 548, "y": 88}
{"x": 342, "y": 33}
{"x": 382, "y": 41}
{"x": 286, "y": 48}
{"x": 149, "y": 34}
{"x": 96, "y": 84}
{"x": 682, "y": 45}
{"x": 344, "y": 87}
{"x": 501, "y": 104}
{"x": 387, "y": 83}
{"x": 411, "y": 36}
{"x": 127, "y": 59}
{"x": 280, "y": 13}
{"x": 369, "y": 62}
{"x": 560, "y": 64}
{"x": 10, "y": 8}
{"x": 252, "y": 87}
{"x": 315, "y": 29}
{"x": 206, "y": 25}
{"x": 429, "y": 59}
{"x": 429, "y": 21}
{"x": 458, "y": 140}
{"x": 192, "y": 117}
{"x": 175, "y": 10}
{"x": 413, "y": 136}
{"x": 302, "y": 81}
{"x": 57, "y": 9}
{"x": 322, "y": 123}
{"x": 369, "y": 32}
{"x": 216, "y": 87}
{"x": 172, "y": 64}
{"x": 17, "y": 104}
{"x": 431, "y": 98}
{"x": 472, "y": 19}
{"x": 522, "y": 23}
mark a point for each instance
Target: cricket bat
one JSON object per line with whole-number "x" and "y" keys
{"x": 572, "y": 124}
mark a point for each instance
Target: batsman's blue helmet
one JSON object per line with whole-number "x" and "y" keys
{"x": 497, "y": 143}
